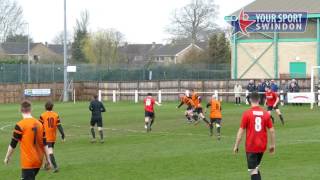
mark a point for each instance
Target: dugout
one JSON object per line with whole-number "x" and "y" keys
{"x": 277, "y": 55}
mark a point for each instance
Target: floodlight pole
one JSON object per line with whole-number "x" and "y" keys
{"x": 65, "y": 61}
{"x": 29, "y": 73}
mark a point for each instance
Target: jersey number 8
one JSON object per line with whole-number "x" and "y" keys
{"x": 148, "y": 102}
{"x": 257, "y": 125}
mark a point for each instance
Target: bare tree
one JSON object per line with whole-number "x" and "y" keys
{"x": 59, "y": 38}
{"x": 11, "y": 19}
{"x": 194, "y": 21}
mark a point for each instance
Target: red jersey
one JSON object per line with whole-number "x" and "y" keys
{"x": 256, "y": 121}
{"x": 271, "y": 98}
{"x": 149, "y": 104}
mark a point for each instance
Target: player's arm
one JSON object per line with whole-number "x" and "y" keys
{"x": 157, "y": 103}
{"x": 238, "y": 140}
{"x": 272, "y": 140}
{"x": 91, "y": 106}
{"x": 277, "y": 101}
{"x": 17, "y": 136}
{"x": 41, "y": 120}
{"x": 208, "y": 105}
{"x": 103, "y": 109}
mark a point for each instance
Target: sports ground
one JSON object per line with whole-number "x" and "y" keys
{"x": 173, "y": 150}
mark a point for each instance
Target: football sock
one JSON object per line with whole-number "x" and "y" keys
{"x": 218, "y": 130}
{"x": 188, "y": 118}
{"x": 53, "y": 161}
{"x": 152, "y": 121}
{"x": 281, "y": 118}
{"x": 272, "y": 119}
{"x": 255, "y": 177}
{"x": 101, "y": 134}
{"x": 93, "y": 133}
{"x": 211, "y": 128}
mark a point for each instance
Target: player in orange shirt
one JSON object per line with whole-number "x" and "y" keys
{"x": 189, "y": 103}
{"x": 31, "y": 135}
{"x": 51, "y": 122}
{"x": 198, "y": 107}
{"x": 215, "y": 115}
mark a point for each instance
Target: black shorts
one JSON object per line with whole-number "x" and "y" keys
{"x": 29, "y": 174}
{"x": 253, "y": 160}
{"x": 270, "y": 108}
{"x": 50, "y": 144}
{"x": 149, "y": 114}
{"x": 198, "y": 110}
{"x": 216, "y": 120}
{"x": 97, "y": 121}
{"x": 189, "y": 108}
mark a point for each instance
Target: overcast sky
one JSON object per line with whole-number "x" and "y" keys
{"x": 141, "y": 21}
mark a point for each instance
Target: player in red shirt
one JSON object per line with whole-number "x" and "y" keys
{"x": 149, "y": 103}
{"x": 272, "y": 101}
{"x": 255, "y": 122}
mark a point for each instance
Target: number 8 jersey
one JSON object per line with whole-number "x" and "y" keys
{"x": 50, "y": 121}
{"x": 256, "y": 121}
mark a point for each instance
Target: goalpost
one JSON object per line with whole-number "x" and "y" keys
{"x": 313, "y": 68}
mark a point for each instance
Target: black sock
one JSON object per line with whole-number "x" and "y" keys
{"x": 93, "y": 133}
{"x": 188, "y": 118}
{"x": 255, "y": 177}
{"x": 211, "y": 128}
{"x": 53, "y": 161}
{"x": 205, "y": 120}
{"x": 218, "y": 130}
{"x": 281, "y": 118}
{"x": 272, "y": 119}
{"x": 101, "y": 134}
{"x": 152, "y": 121}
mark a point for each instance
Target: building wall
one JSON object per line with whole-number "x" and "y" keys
{"x": 288, "y": 52}
{"x": 255, "y": 50}
{"x": 46, "y": 55}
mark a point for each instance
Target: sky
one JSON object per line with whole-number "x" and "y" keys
{"x": 141, "y": 21}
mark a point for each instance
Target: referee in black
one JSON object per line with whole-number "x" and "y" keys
{"x": 96, "y": 107}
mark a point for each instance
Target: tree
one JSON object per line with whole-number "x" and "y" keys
{"x": 18, "y": 38}
{"x": 194, "y": 21}
{"x": 219, "y": 49}
{"x": 80, "y": 38}
{"x": 11, "y": 19}
{"x": 59, "y": 38}
{"x": 102, "y": 46}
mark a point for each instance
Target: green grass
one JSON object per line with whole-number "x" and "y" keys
{"x": 174, "y": 150}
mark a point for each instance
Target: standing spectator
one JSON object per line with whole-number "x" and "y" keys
{"x": 262, "y": 89}
{"x": 251, "y": 88}
{"x": 274, "y": 86}
{"x": 237, "y": 93}
{"x": 284, "y": 87}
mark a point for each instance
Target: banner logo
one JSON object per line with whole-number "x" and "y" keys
{"x": 269, "y": 22}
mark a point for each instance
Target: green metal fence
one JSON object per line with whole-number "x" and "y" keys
{"x": 18, "y": 73}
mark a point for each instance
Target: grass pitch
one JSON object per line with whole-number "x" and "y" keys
{"x": 174, "y": 150}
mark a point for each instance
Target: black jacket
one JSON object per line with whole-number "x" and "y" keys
{"x": 96, "y": 107}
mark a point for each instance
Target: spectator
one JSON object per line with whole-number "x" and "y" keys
{"x": 284, "y": 86}
{"x": 238, "y": 90}
{"x": 251, "y": 88}
{"x": 262, "y": 89}
{"x": 294, "y": 88}
{"x": 274, "y": 86}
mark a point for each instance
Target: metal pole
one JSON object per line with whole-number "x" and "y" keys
{"x": 65, "y": 63}
{"x": 29, "y": 78}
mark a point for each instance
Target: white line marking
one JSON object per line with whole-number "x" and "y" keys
{"x": 3, "y": 127}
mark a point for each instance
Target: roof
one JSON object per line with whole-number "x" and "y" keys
{"x": 20, "y": 48}
{"x": 57, "y": 48}
{"x": 174, "y": 49}
{"x": 310, "y": 6}
{"x": 139, "y": 49}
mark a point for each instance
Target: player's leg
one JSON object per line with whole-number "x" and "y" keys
{"x": 147, "y": 121}
{"x": 211, "y": 126}
{"x": 100, "y": 129}
{"x": 51, "y": 156}
{"x": 218, "y": 126}
{"x": 253, "y": 165}
{"x": 280, "y": 115}
{"x": 93, "y": 134}
{"x": 187, "y": 116}
{"x": 270, "y": 108}
{"x": 152, "y": 118}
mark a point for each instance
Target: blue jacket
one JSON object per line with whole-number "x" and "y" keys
{"x": 274, "y": 87}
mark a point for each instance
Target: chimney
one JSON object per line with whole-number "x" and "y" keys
{"x": 153, "y": 45}
{"x": 46, "y": 44}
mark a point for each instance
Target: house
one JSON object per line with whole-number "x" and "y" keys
{"x": 277, "y": 54}
{"x": 137, "y": 53}
{"x": 176, "y": 53}
{"x": 39, "y": 52}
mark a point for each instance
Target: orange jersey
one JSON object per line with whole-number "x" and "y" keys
{"x": 215, "y": 111}
{"x": 30, "y": 133}
{"x": 187, "y": 101}
{"x": 196, "y": 100}
{"x": 50, "y": 121}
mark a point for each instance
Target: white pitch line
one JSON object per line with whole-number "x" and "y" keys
{"x": 3, "y": 127}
